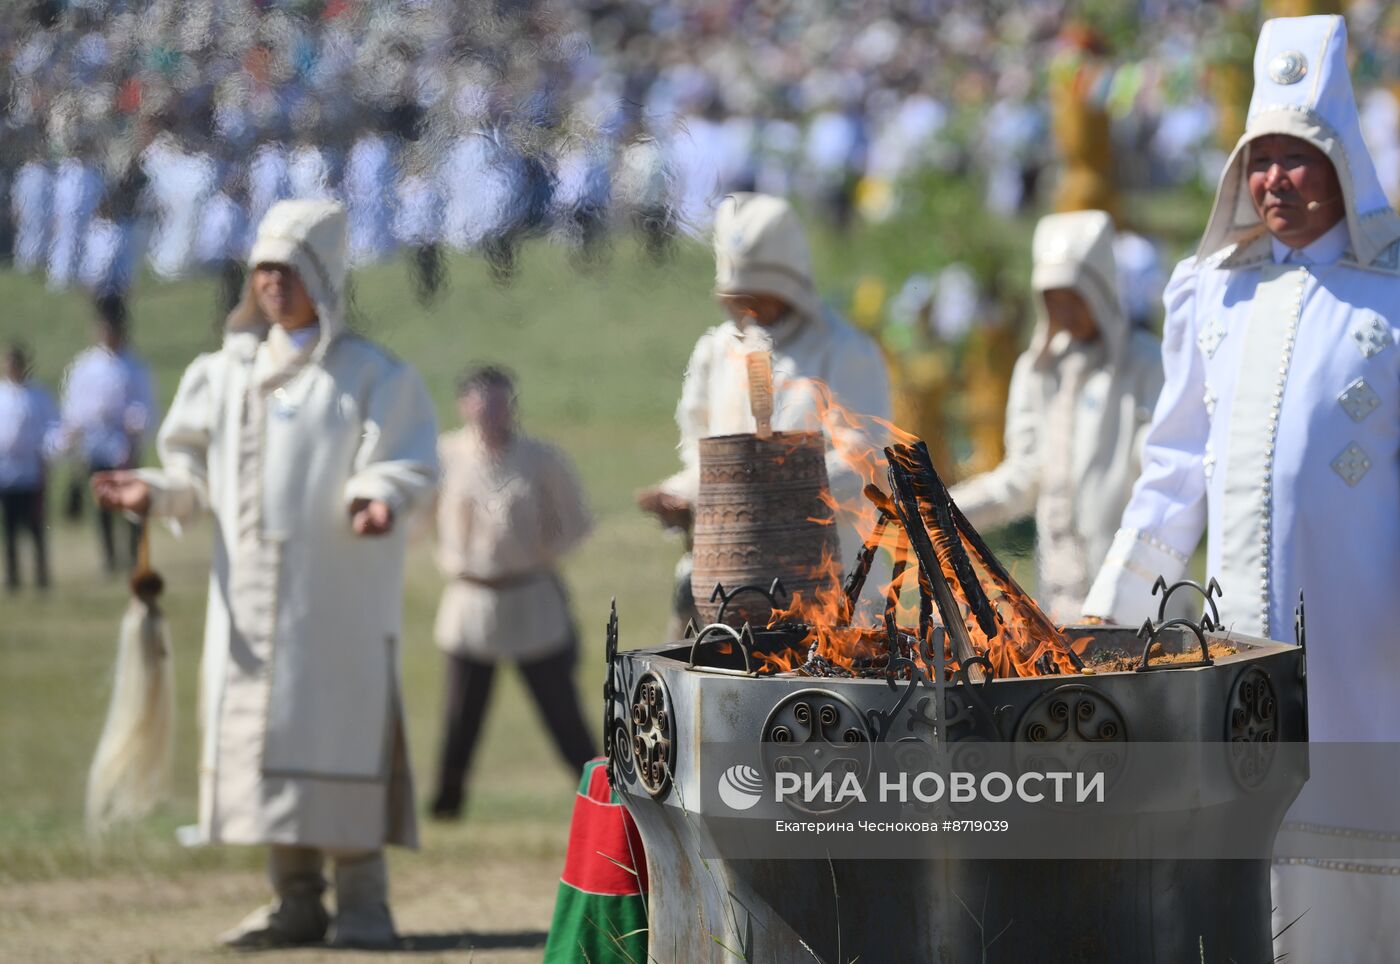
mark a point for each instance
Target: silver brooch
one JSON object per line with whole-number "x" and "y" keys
{"x": 1288, "y": 67}
{"x": 1352, "y": 464}
{"x": 1211, "y": 336}
{"x": 1359, "y": 399}
{"x": 1372, "y": 336}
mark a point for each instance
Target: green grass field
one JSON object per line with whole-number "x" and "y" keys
{"x": 600, "y": 360}
{"x": 600, "y": 357}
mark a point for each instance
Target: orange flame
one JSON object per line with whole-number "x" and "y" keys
{"x": 852, "y": 641}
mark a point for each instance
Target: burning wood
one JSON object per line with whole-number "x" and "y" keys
{"x": 986, "y": 614}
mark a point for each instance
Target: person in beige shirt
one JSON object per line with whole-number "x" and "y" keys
{"x": 509, "y": 508}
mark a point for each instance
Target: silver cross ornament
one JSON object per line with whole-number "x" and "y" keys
{"x": 1359, "y": 400}
{"x": 1353, "y": 464}
{"x": 1372, "y": 336}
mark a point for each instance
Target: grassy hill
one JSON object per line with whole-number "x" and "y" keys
{"x": 600, "y": 358}
{"x": 599, "y": 355}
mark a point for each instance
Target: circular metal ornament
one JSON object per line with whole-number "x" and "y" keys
{"x": 1288, "y": 67}
{"x": 1252, "y": 727}
{"x": 653, "y": 735}
{"x": 815, "y": 732}
{"x": 1075, "y": 729}
{"x": 1073, "y": 713}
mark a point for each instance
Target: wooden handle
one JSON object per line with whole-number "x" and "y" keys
{"x": 760, "y": 365}
{"x": 143, "y": 552}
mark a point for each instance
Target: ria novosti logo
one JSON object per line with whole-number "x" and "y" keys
{"x": 740, "y": 787}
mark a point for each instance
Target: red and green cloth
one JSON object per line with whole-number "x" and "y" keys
{"x": 601, "y": 912}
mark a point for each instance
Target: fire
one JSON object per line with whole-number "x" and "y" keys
{"x": 1001, "y": 622}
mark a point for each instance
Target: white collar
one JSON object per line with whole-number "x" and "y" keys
{"x": 1324, "y": 250}
{"x": 301, "y": 337}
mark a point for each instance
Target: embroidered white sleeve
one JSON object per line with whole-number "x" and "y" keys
{"x": 1122, "y": 593}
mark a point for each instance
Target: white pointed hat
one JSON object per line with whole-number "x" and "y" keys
{"x": 1302, "y": 89}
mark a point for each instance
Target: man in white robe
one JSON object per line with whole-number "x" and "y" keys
{"x": 763, "y": 278}
{"x": 1278, "y": 431}
{"x": 310, "y": 446}
{"x": 1081, "y": 397}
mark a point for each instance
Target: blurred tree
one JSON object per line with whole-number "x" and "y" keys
{"x": 1079, "y": 114}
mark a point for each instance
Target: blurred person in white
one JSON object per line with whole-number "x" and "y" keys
{"x": 224, "y": 234}
{"x": 1141, "y": 278}
{"x": 31, "y": 204}
{"x": 1081, "y": 398}
{"x": 181, "y": 181}
{"x": 311, "y": 174}
{"x": 311, "y": 447}
{"x": 77, "y": 192}
{"x": 268, "y": 180}
{"x": 370, "y": 177}
{"x": 477, "y": 184}
{"x": 417, "y": 220}
{"x": 108, "y": 409}
{"x": 28, "y": 433}
{"x": 509, "y": 508}
{"x": 763, "y": 281}
{"x": 1278, "y": 434}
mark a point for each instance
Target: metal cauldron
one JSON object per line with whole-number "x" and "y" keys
{"x": 763, "y": 511}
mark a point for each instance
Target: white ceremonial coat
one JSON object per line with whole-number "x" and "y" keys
{"x": 302, "y": 736}
{"x": 715, "y": 398}
{"x": 1279, "y": 429}
{"x": 1111, "y": 419}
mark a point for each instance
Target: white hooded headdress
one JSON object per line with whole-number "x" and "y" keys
{"x": 310, "y": 236}
{"x": 760, "y": 248}
{"x": 1302, "y": 89}
{"x": 1074, "y": 249}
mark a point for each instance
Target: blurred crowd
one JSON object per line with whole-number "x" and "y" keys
{"x": 164, "y": 129}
